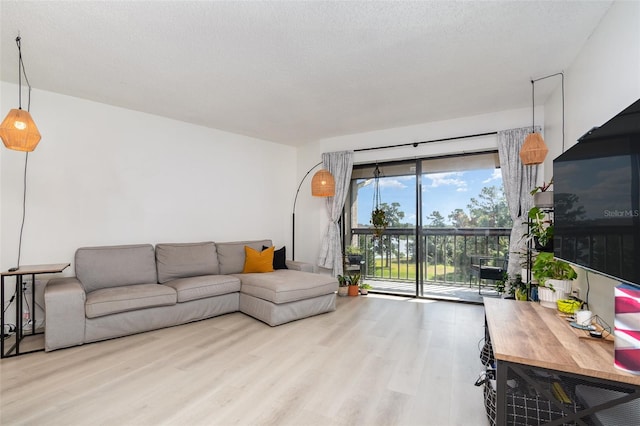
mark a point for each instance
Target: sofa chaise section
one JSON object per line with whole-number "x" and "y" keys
{"x": 280, "y": 296}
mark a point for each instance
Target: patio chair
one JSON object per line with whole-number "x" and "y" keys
{"x": 487, "y": 268}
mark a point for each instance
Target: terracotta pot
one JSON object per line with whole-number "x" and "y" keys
{"x": 353, "y": 290}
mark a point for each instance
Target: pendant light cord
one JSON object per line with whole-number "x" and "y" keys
{"x": 561, "y": 74}
{"x": 21, "y": 71}
{"x": 533, "y": 107}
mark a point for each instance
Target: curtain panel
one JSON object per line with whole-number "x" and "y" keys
{"x": 518, "y": 181}
{"x": 340, "y": 165}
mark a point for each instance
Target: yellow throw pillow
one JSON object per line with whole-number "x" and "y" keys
{"x": 258, "y": 261}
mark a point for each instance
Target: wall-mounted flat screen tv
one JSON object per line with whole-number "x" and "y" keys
{"x": 597, "y": 199}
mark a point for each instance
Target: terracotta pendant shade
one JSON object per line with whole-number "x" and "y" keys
{"x": 19, "y": 132}
{"x": 534, "y": 150}
{"x": 323, "y": 184}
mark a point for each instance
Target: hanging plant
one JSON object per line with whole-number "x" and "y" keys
{"x": 378, "y": 216}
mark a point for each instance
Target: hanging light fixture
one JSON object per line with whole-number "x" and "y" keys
{"x": 534, "y": 150}
{"x": 323, "y": 184}
{"x": 18, "y": 130}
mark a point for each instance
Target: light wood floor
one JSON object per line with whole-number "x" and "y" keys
{"x": 375, "y": 361}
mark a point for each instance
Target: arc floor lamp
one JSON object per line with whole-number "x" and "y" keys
{"x": 322, "y": 185}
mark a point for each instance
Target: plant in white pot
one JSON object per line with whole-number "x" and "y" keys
{"x": 343, "y": 285}
{"x": 542, "y": 195}
{"x": 554, "y": 278}
{"x": 364, "y": 289}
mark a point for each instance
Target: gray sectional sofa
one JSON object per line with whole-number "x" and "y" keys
{"x": 122, "y": 290}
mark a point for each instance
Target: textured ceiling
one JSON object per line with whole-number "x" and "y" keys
{"x": 294, "y": 72}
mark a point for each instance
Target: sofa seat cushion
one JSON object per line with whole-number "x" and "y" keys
{"x": 112, "y": 300}
{"x": 286, "y": 285}
{"x": 194, "y": 288}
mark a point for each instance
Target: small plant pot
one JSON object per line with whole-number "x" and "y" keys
{"x": 364, "y": 291}
{"x": 546, "y": 248}
{"x": 549, "y": 298}
{"x": 353, "y": 290}
{"x": 343, "y": 291}
{"x": 543, "y": 199}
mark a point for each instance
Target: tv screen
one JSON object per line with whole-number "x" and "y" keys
{"x": 597, "y": 199}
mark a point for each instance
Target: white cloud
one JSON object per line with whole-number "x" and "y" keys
{"x": 392, "y": 183}
{"x": 462, "y": 189}
{"x": 446, "y": 179}
{"x": 497, "y": 174}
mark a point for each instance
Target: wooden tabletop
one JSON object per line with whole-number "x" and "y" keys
{"x": 38, "y": 269}
{"x": 528, "y": 333}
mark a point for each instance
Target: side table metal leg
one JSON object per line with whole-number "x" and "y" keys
{"x": 2, "y": 314}
{"x": 501, "y": 393}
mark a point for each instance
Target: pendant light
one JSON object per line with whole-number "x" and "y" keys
{"x": 18, "y": 130}
{"x": 534, "y": 150}
{"x": 323, "y": 184}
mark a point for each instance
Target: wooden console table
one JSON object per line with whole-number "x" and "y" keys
{"x": 32, "y": 270}
{"x": 525, "y": 334}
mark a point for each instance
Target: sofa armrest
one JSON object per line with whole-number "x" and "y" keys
{"x": 299, "y": 266}
{"x": 64, "y": 313}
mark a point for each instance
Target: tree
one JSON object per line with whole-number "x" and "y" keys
{"x": 436, "y": 220}
{"x": 490, "y": 209}
{"x": 393, "y": 213}
{"x": 459, "y": 219}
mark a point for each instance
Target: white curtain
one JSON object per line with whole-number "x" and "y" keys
{"x": 518, "y": 181}
{"x": 339, "y": 165}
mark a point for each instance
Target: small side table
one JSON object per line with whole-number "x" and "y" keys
{"x": 33, "y": 270}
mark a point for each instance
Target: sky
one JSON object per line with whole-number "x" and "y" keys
{"x": 443, "y": 192}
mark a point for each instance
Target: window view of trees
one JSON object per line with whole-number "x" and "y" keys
{"x": 450, "y": 234}
{"x": 487, "y": 210}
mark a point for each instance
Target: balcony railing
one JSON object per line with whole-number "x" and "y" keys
{"x": 445, "y": 253}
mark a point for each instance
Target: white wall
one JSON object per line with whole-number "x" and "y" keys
{"x": 105, "y": 175}
{"x": 602, "y": 81}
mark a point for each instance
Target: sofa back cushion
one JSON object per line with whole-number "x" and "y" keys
{"x": 115, "y": 266}
{"x": 231, "y": 254}
{"x": 186, "y": 260}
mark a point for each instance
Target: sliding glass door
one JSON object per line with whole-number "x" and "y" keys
{"x": 441, "y": 211}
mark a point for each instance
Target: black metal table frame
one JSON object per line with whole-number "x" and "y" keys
{"x": 19, "y": 320}
{"x": 502, "y": 372}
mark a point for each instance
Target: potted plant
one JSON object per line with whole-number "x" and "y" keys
{"x": 542, "y": 196}
{"x": 378, "y": 215}
{"x": 364, "y": 289}
{"x": 354, "y": 282}
{"x": 501, "y": 284}
{"x": 518, "y": 288}
{"x": 353, "y": 255}
{"x": 554, "y": 278}
{"x": 379, "y": 221}
{"x": 540, "y": 229}
{"x": 343, "y": 285}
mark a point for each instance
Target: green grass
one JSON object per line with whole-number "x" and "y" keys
{"x": 407, "y": 271}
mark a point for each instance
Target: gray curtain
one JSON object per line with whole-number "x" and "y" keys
{"x": 518, "y": 181}
{"x": 339, "y": 165}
